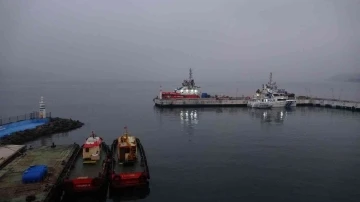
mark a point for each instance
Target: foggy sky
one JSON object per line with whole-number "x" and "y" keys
{"x": 159, "y": 40}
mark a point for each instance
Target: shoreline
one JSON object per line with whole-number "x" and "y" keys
{"x": 54, "y": 126}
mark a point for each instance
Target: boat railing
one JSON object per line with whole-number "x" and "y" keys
{"x": 23, "y": 117}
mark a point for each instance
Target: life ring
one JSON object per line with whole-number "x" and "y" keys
{"x": 143, "y": 178}
{"x": 68, "y": 185}
{"x": 116, "y": 180}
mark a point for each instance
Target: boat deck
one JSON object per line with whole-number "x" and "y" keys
{"x": 121, "y": 168}
{"x": 90, "y": 170}
{"x": 11, "y": 187}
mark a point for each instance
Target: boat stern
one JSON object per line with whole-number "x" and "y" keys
{"x": 134, "y": 179}
{"x": 83, "y": 184}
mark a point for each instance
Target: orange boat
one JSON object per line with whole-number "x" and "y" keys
{"x": 129, "y": 166}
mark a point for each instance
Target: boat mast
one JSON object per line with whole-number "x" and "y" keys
{"x": 126, "y": 132}
{"x": 190, "y": 75}
{"x": 271, "y": 84}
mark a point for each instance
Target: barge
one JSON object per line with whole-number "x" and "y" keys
{"x": 37, "y": 174}
{"x": 89, "y": 171}
{"x": 129, "y": 166}
{"x": 189, "y": 95}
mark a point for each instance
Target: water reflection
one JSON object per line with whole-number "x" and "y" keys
{"x": 189, "y": 117}
{"x": 192, "y": 114}
{"x": 269, "y": 115}
{"x": 48, "y": 140}
{"x": 130, "y": 194}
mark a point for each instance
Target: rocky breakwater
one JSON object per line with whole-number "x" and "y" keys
{"x": 55, "y": 125}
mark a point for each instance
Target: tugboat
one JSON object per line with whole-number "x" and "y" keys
{"x": 88, "y": 170}
{"x": 127, "y": 149}
{"x": 129, "y": 164}
{"x": 92, "y": 149}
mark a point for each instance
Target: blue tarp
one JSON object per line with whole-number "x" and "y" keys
{"x": 34, "y": 174}
{"x": 7, "y": 129}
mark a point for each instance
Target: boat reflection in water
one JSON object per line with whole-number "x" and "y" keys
{"x": 189, "y": 117}
{"x": 188, "y": 120}
{"x": 269, "y": 115}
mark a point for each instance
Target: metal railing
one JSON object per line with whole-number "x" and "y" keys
{"x": 27, "y": 116}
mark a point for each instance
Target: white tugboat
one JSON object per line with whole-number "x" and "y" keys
{"x": 272, "y": 95}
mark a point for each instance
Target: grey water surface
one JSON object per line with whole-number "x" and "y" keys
{"x": 213, "y": 154}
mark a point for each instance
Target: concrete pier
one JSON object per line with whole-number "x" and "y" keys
{"x": 8, "y": 152}
{"x": 329, "y": 103}
{"x": 203, "y": 102}
{"x": 242, "y": 102}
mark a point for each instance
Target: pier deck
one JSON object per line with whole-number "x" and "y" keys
{"x": 242, "y": 102}
{"x": 11, "y": 187}
{"x": 9, "y": 151}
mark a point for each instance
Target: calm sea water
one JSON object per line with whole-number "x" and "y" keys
{"x": 214, "y": 154}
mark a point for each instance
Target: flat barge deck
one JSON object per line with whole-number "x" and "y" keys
{"x": 55, "y": 157}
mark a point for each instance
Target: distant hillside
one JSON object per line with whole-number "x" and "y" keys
{"x": 346, "y": 77}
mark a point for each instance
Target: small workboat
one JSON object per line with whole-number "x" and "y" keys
{"x": 92, "y": 149}
{"x": 129, "y": 165}
{"x": 87, "y": 171}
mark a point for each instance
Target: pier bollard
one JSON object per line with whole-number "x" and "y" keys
{"x": 53, "y": 145}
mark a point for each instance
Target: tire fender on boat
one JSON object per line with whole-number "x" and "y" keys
{"x": 68, "y": 185}
{"x": 96, "y": 182}
{"x": 143, "y": 177}
{"x": 117, "y": 179}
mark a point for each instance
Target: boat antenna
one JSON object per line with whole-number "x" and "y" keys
{"x": 92, "y": 134}
{"x": 126, "y": 132}
{"x": 190, "y": 74}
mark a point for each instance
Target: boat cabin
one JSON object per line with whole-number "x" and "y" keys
{"x": 127, "y": 149}
{"x": 92, "y": 149}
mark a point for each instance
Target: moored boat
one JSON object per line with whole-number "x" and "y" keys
{"x": 277, "y": 97}
{"x": 92, "y": 149}
{"x": 89, "y": 178}
{"x": 129, "y": 164}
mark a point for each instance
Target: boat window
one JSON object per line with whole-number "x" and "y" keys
{"x": 86, "y": 149}
{"x": 281, "y": 99}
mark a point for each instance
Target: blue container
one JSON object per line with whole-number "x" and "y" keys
{"x": 204, "y": 95}
{"x": 34, "y": 174}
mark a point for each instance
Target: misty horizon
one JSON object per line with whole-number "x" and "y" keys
{"x": 161, "y": 40}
